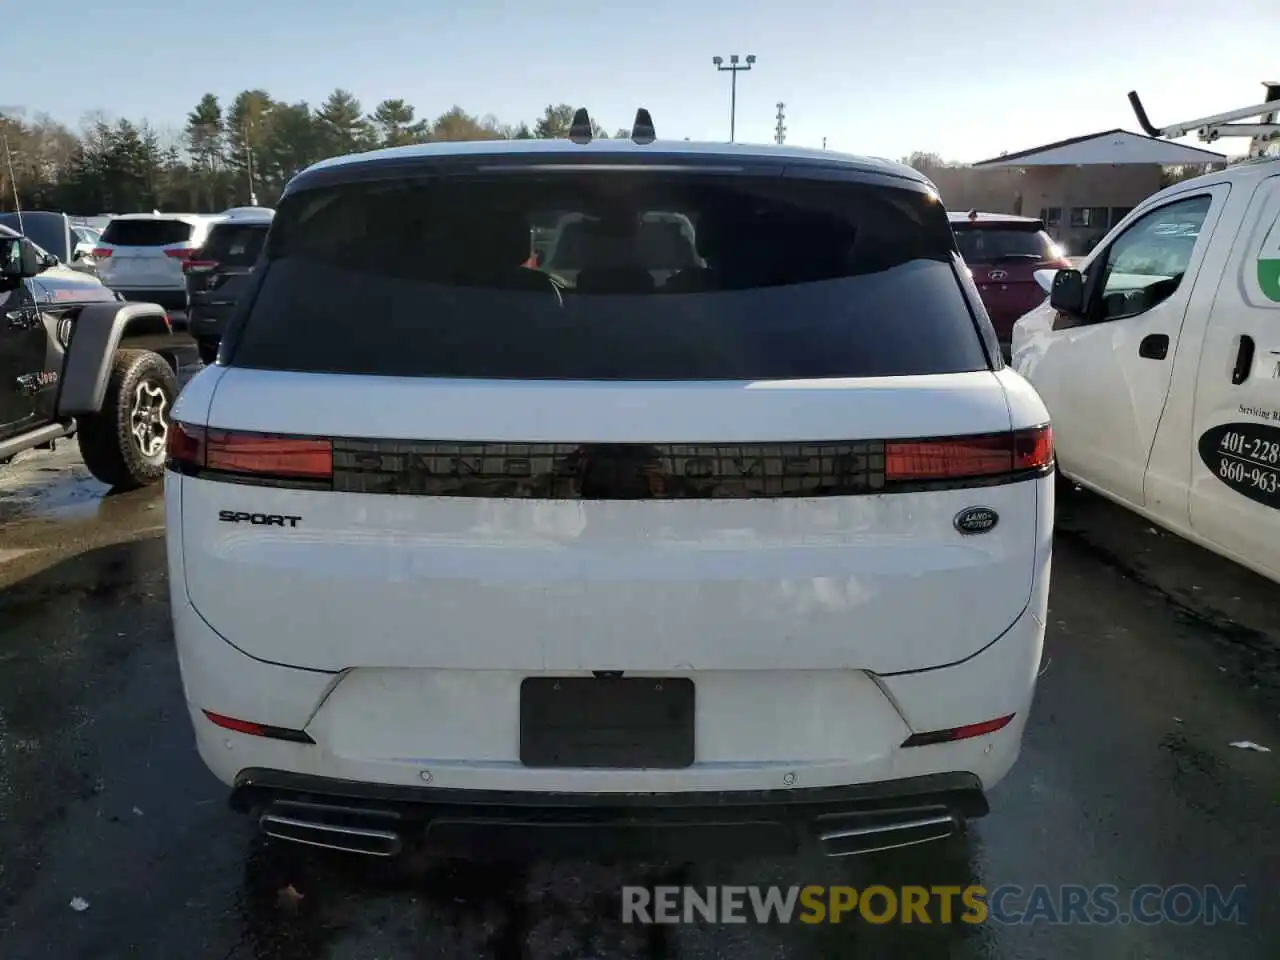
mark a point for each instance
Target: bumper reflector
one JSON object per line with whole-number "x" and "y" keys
{"x": 257, "y": 729}
{"x": 957, "y": 733}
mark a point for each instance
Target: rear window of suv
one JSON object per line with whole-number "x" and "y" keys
{"x": 236, "y": 245}
{"x": 665, "y": 276}
{"x": 146, "y": 233}
{"x": 996, "y": 243}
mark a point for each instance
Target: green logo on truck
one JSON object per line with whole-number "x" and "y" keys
{"x": 1269, "y": 264}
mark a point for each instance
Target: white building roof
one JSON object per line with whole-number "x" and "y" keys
{"x": 1109, "y": 148}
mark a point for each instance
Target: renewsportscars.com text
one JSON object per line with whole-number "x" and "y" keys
{"x": 1104, "y": 904}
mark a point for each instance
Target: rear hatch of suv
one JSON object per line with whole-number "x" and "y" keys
{"x": 146, "y": 254}
{"x": 219, "y": 271}
{"x": 1004, "y": 254}
{"x": 421, "y": 454}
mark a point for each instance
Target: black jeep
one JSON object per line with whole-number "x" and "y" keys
{"x": 76, "y": 359}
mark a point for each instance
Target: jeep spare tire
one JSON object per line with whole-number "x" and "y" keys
{"x": 123, "y": 444}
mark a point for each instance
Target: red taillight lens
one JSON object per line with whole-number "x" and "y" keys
{"x": 259, "y": 454}
{"x": 185, "y": 447}
{"x": 952, "y": 457}
{"x": 1033, "y": 448}
{"x": 185, "y": 253}
{"x": 986, "y": 455}
{"x": 270, "y": 455}
{"x": 101, "y": 253}
{"x": 199, "y": 266}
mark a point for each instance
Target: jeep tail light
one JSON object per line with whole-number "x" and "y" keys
{"x": 251, "y": 456}
{"x": 991, "y": 455}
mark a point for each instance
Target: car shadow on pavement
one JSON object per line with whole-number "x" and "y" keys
{"x": 298, "y": 902}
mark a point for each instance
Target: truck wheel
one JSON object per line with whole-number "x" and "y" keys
{"x": 123, "y": 444}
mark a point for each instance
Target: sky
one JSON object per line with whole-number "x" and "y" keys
{"x": 966, "y": 81}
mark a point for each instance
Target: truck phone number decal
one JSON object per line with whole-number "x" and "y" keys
{"x": 1246, "y": 457}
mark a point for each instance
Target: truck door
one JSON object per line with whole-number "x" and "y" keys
{"x": 22, "y": 358}
{"x": 1106, "y": 379}
{"x": 1235, "y": 460}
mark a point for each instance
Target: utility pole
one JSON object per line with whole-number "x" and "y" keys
{"x": 780, "y": 131}
{"x": 733, "y": 67}
{"x": 248, "y": 157}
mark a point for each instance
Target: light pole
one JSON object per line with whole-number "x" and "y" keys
{"x": 248, "y": 158}
{"x": 780, "y": 131}
{"x": 734, "y": 67}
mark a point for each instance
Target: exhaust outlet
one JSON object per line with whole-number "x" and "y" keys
{"x": 863, "y": 834}
{"x": 373, "y": 833}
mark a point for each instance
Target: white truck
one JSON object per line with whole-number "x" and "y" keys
{"x": 1159, "y": 358}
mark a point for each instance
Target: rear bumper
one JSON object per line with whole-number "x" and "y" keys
{"x": 171, "y": 298}
{"x": 386, "y": 820}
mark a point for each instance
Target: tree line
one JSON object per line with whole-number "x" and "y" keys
{"x": 224, "y": 155}
{"x": 229, "y": 155}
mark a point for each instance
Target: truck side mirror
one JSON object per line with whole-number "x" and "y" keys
{"x": 1067, "y": 293}
{"x": 18, "y": 259}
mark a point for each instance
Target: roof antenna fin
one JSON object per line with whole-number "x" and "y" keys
{"x": 642, "y": 130}
{"x": 580, "y": 129}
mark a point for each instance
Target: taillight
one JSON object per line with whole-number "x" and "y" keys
{"x": 986, "y": 455}
{"x": 274, "y": 456}
{"x": 185, "y": 446}
{"x": 249, "y": 455}
{"x": 199, "y": 266}
{"x": 1033, "y": 448}
{"x": 101, "y": 253}
{"x": 183, "y": 253}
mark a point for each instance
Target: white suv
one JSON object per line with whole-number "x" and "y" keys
{"x": 462, "y": 554}
{"x": 140, "y": 255}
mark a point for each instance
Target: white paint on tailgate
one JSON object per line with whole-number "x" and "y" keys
{"x": 363, "y": 580}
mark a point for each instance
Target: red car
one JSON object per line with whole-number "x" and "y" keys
{"x": 1004, "y": 252}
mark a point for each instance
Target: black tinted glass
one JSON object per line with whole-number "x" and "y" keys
{"x": 992, "y": 244}
{"x": 49, "y": 232}
{"x": 236, "y": 245}
{"x": 663, "y": 277}
{"x": 146, "y": 233}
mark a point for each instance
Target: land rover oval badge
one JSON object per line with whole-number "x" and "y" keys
{"x": 976, "y": 520}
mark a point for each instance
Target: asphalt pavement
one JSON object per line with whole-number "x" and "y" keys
{"x": 1160, "y": 656}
